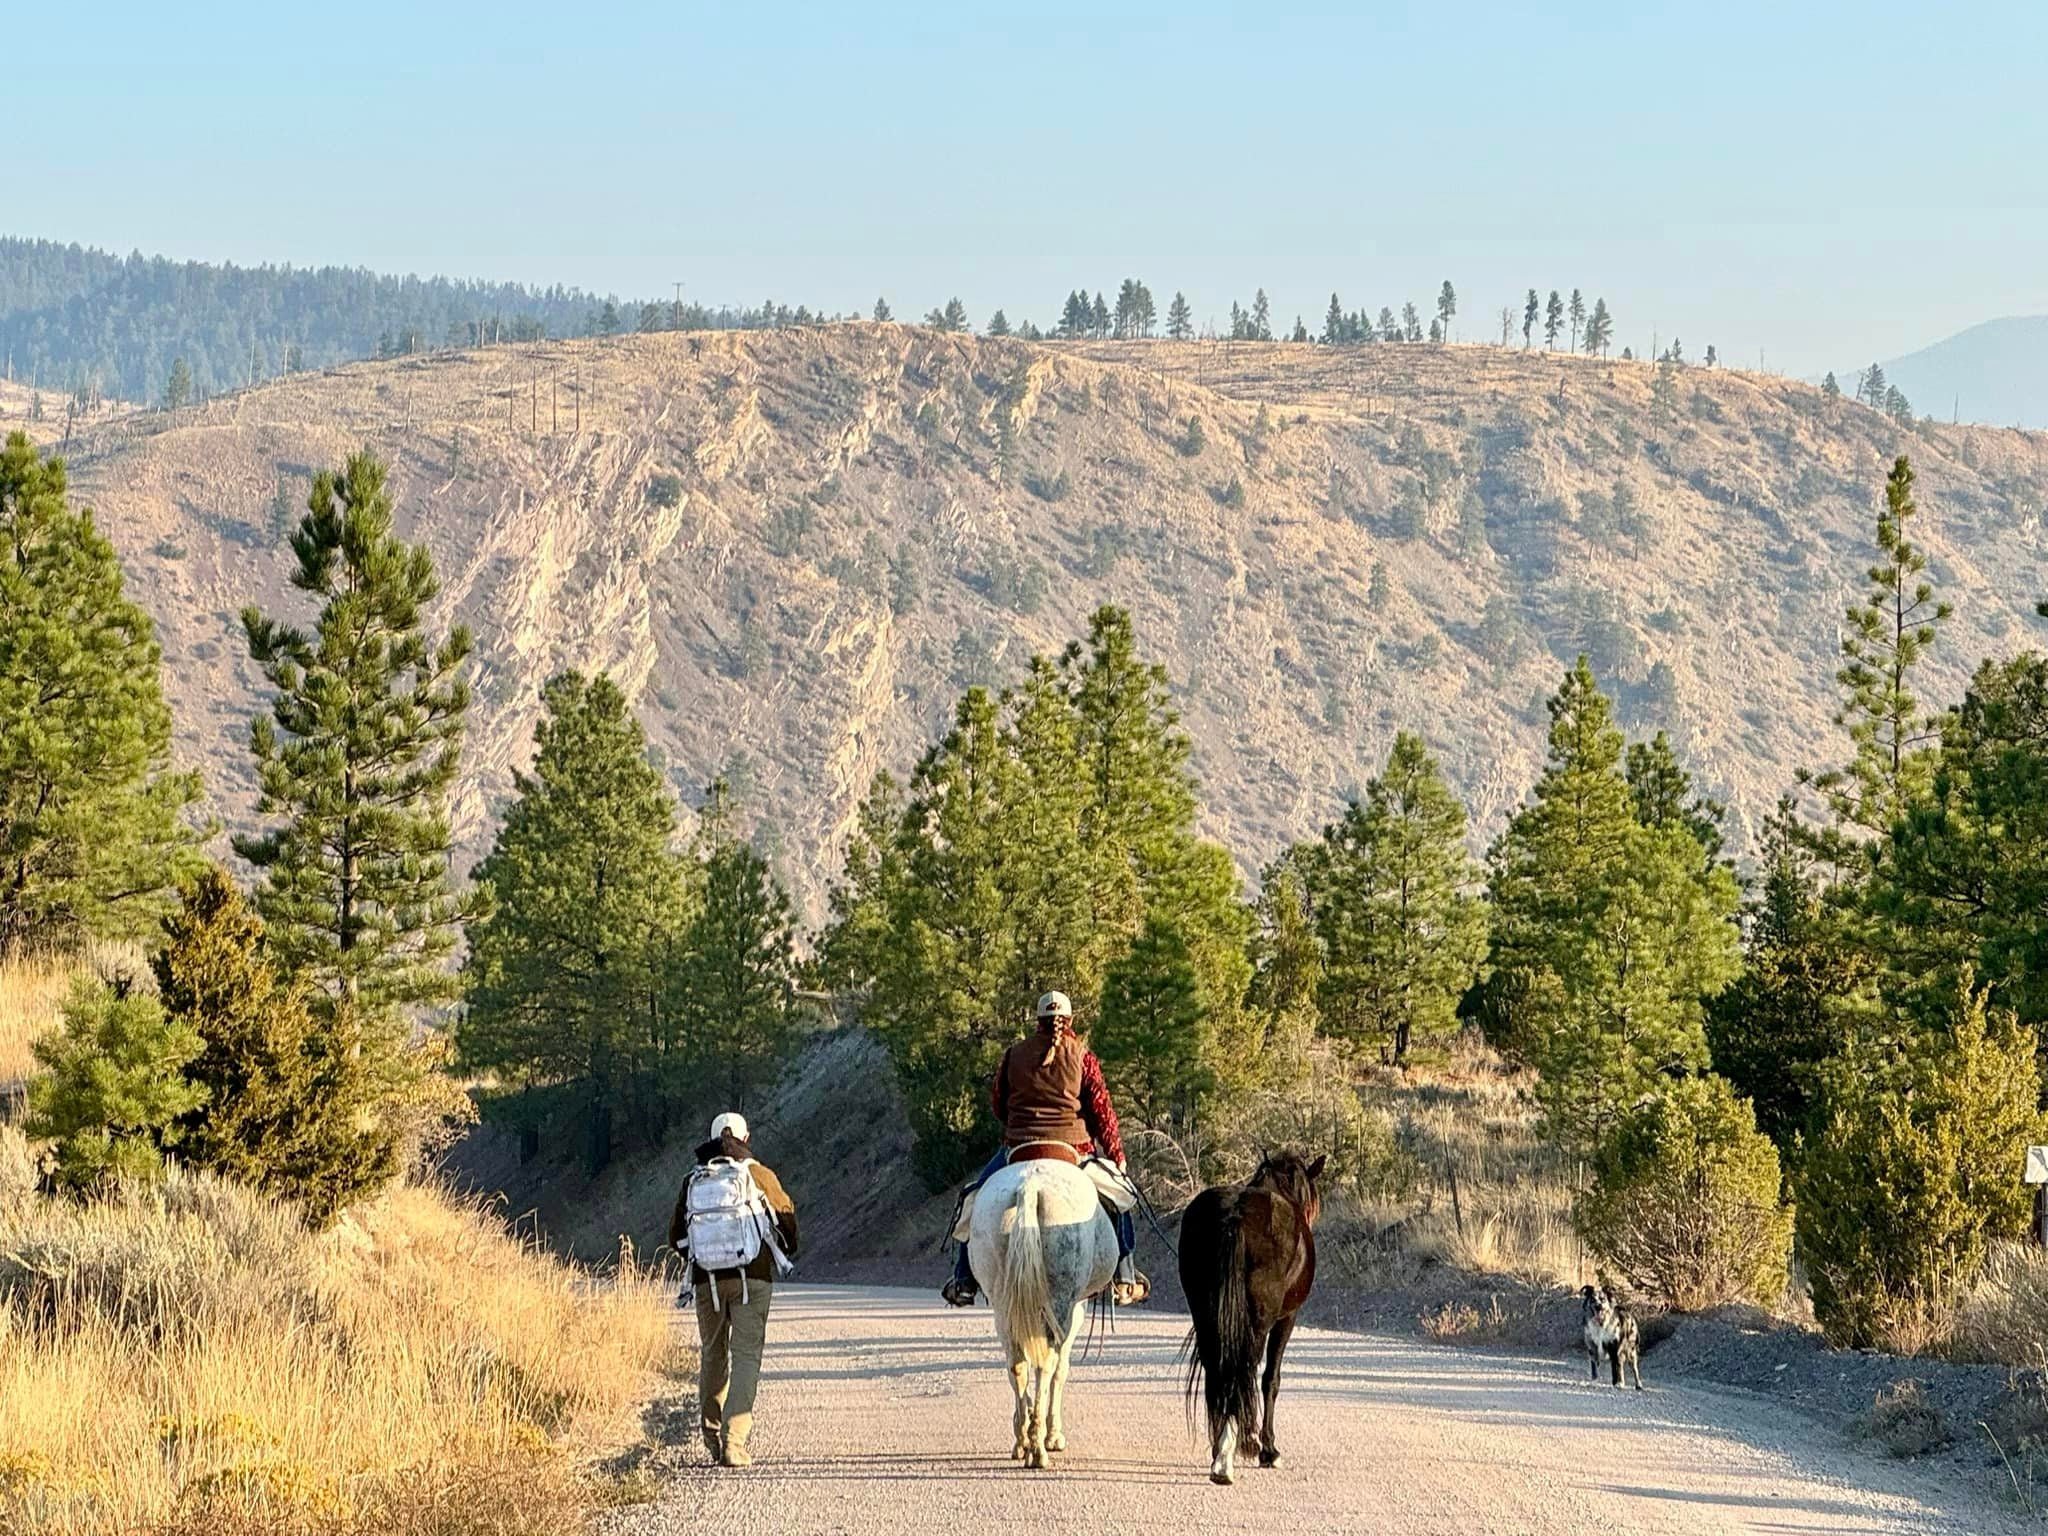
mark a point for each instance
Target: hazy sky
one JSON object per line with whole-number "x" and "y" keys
{"x": 1827, "y": 182}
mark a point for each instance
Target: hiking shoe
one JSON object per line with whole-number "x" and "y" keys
{"x": 736, "y": 1456}
{"x": 1128, "y": 1293}
{"x": 714, "y": 1442}
{"x": 958, "y": 1294}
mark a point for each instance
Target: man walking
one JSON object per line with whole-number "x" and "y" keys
{"x": 738, "y": 1228}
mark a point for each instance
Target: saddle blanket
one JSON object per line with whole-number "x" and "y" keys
{"x": 1110, "y": 1181}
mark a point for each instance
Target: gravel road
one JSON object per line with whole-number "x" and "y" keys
{"x": 883, "y": 1411}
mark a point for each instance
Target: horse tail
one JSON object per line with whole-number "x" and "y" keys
{"x": 1027, "y": 1288}
{"x": 1223, "y": 1363}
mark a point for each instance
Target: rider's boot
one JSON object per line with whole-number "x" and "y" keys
{"x": 1130, "y": 1286}
{"x": 961, "y": 1290}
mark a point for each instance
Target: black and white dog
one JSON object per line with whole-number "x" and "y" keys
{"x": 1610, "y": 1334}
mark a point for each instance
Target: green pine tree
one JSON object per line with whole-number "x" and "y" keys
{"x": 285, "y": 1102}
{"x": 93, "y": 837}
{"x": 1553, "y": 319}
{"x": 1152, "y": 1034}
{"x": 1180, "y": 318}
{"x": 111, "y": 1093}
{"x": 882, "y": 312}
{"x": 999, "y": 324}
{"x": 736, "y": 984}
{"x": 354, "y": 763}
{"x": 1599, "y": 329}
{"x": 178, "y": 387}
{"x": 1531, "y": 308}
{"x": 1446, "y": 307}
{"x": 567, "y": 977}
{"x": 1609, "y": 935}
{"x": 1396, "y": 905}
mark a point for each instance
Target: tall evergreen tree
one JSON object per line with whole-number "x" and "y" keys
{"x": 93, "y": 839}
{"x": 882, "y": 311}
{"x": 568, "y": 976}
{"x": 1098, "y": 318}
{"x": 1608, "y": 935}
{"x": 1830, "y": 387}
{"x": 1180, "y": 318}
{"x": 1262, "y": 317}
{"x": 354, "y": 763}
{"x": 999, "y": 324}
{"x": 1152, "y": 1033}
{"x": 1530, "y": 309}
{"x": 736, "y": 986}
{"x": 1411, "y": 323}
{"x": 1333, "y": 323}
{"x": 1888, "y": 636}
{"x": 1553, "y": 319}
{"x": 178, "y": 387}
{"x": 1576, "y": 312}
{"x": 1396, "y": 903}
{"x": 1599, "y": 329}
{"x": 1446, "y": 306}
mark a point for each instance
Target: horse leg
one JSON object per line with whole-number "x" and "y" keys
{"x": 1276, "y": 1346}
{"x": 1041, "y": 1408}
{"x": 1020, "y": 1380}
{"x": 1248, "y": 1432}
{"x": 1056, "y": 1436}
{"x": 1223, "y": 1451}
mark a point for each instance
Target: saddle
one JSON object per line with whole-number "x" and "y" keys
{"x": 1111, "y": 1182}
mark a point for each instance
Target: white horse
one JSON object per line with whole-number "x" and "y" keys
{"x": 1041, "y": 1246}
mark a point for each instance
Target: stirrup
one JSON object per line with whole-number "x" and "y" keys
{"x": 1128, "y": 1293}
{"x": 959, "y": 1294}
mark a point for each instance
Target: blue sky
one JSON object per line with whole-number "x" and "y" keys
{"x": 1826, "y": 182}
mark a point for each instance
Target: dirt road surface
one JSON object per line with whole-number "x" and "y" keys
{"x": 884, "y": 1412}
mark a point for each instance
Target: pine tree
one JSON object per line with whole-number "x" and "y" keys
{"x": 1662, "y": 793}
{"x": 356, "y": 759}
{"x": 882, "y": 311}
{"x": 1870, "y": 389}
{"x": 1608, "y": 935}
{"x": 1713, "y": 357}
{"x": 1262, "y": 317}
{"x": 1599, "y": 329}
{"x": 736, "y": 986}
{"x": 1098, "y": 318}
{"x": 1152, "y": 1034}
{"x": 1830, "y": 388}
{"x": 1396, "y": 904}
{"x": 92, "y": 835}
{"x": 284, "y": 1108}
{"x": 608, "y": 319}
{"x": 1333, "y": 323}
{"x": 1180, "y": 318}
{"x": 1446, "y": 306}
{"x": 567, "y": 977}
{"x": 178, "y": 387}
{"x": 1530, "y": 309}
{"x": 999, "y": 324}
{"x": 1888, "y": 636}
{"x": 1389, "y": 327}
{"x": 1577, "y": 314}
{"x": 1553, "y": 319}
{"x": 1411, "y": 323}
{"x": 111, "y": 1092}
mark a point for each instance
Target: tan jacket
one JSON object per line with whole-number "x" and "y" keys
{"x": 784, "y": 1209}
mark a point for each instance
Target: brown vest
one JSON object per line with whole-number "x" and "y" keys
{"x": 1044, "y": 1100}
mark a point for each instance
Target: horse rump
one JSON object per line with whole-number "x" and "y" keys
{"x": 1222, "y": 1347}
{"x": 1029, "y": 1321}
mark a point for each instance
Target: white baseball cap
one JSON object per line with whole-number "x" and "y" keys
{"x": 1054, "y": 1005}
{"x": 731, "y": 1123}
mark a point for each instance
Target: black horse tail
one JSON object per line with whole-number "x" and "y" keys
{"x": 1223, "y": 1363}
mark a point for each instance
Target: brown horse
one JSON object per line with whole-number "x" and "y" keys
{"x": 1247, "y": 1263}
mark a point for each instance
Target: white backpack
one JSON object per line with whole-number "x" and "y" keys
{"x": 727, "y": 1218}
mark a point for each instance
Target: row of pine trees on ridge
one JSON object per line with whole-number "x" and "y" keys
{"x": 1842, "y": 1055}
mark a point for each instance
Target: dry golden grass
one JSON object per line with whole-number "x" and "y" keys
{"x": 32, "y": 993}
{"x": 2004, "y": 1320}
{"x": 191, "y": 1358}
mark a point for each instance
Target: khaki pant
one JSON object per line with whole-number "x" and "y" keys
{"x": 729, "y": 1368}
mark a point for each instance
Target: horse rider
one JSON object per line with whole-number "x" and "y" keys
{"x": 1049, "y": 1087}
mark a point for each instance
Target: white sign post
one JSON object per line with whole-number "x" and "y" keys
{"x": 2037, "y": 1175}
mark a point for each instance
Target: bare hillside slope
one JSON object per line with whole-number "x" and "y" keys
{"x": 797, "y": 547}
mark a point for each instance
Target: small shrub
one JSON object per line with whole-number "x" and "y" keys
{"x": 1685, "y": 1200}
{"x": 1908, "y": 1184}
{"x": 1906, "y": 1421}
{"x": 1232, "y": 495}
{"x": 665, "y": 491}
{"x": 1192, "y": 439}
{"x": 1055, "y": 489}
{"x": 113, "y": 1090}
{"x": 169, "y": 549}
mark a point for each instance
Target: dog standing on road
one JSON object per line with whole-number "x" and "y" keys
{"x": 1610, "y": 1334}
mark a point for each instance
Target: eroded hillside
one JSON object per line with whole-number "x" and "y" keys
{"x": 797, "y": 547}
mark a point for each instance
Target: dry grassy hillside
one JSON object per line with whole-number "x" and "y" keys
{"x": 797, "y": 547}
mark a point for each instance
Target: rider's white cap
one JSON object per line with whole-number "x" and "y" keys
{"x": 732, "y": 1123}
{"x": 1054, "y": 1005}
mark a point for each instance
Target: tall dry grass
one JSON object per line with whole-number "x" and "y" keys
{"x": 192, "y": 1359}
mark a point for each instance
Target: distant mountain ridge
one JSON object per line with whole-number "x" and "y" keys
{"x": 1995, "y": 373}
{"x": 794, "y": 548}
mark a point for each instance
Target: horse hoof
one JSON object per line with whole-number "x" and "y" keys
{"x": 1016, "y": 1453}
{"x": 1220, "y": 1478}
{"x": 1055, "y": 1445}
{"x": 1269, "y": 1458}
